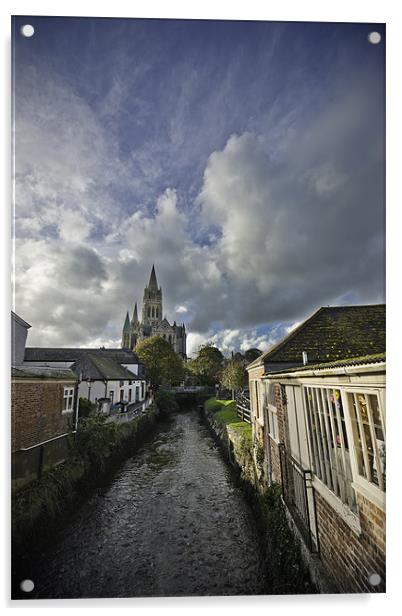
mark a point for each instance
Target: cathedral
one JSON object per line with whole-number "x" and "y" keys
{"x": 153, "y": 323}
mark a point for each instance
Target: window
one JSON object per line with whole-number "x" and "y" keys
{"x": 121, "y": 395}
{"x": 137, "y": 394}
{"x": 111, "y": 396}
{"x": 129, "y": 395}
{"x": 329, "y": 441}
{"x": 271, "y": 412}
{"x": 68, "y": 399}
{"x": 142, "y": 390}
{"x": 369, "y": 437}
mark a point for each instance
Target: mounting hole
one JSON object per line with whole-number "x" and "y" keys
{"x": 375, "y": 579}
{"x": 27, "y": 30}
{"x": 374, "y": 38}
{"x": 27, "y": 585}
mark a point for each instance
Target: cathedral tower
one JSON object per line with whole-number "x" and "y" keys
{"x": 152, "y": 302}
{"x": 153, "y": 323}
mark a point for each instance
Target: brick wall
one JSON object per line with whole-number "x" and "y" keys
{"x": 349, "y": 557}
{"x": 36, "y": 412}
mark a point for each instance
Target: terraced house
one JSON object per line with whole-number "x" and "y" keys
{"x": 318, "y": 410}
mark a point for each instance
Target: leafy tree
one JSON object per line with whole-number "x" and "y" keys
{"x": 234, "y": 375}
{"x": 252, "y": 354}
{"x": 207, "y": 366}
{"x": 163, "y": 365}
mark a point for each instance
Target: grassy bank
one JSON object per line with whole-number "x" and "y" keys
{"x": 99, "y": 447}
{"x": 285, "y": 570}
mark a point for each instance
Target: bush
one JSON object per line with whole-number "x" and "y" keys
{"x": 85, "y": 408}
{"x": 96, "y": 439}
{"x": 166, "y": 401}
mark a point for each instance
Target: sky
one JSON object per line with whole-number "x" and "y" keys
{"x": 244, "y": 159}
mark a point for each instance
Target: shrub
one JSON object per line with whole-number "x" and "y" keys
{"x": 85, "y": 408}
{"x": 166, "y": 401}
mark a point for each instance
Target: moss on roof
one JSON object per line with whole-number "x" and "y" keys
{"x": 333, "y": 333}
{"x": 354, "y": 361}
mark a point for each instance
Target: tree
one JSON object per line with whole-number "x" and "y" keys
{"x": 207, "y": 366}
{"x": 163, "y": 365}
{"x": 234, "y": 375}
{"x": 252, "y": 354}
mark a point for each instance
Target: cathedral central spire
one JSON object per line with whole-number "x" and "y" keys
{"x": 135, "y": 315}
{"x": 153, "y": 283}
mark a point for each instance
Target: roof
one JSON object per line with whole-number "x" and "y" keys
{"x": 123, "y": 356}
{"x": 331, "y": 334}
{"x": 101, "y": 368}
{"x": 378, "y": 358}
{"x": 20, "y": 320}
{"x": 40, "y": 372}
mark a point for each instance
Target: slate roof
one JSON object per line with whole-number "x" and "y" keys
{"x": 377, "y": 358}
{"x": 123, "y": 356}
{"x": 331, "y": 334}
{"x": 101, "y": 368}
{"x": 40, "y": 372}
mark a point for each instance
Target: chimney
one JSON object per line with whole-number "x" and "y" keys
{"x": 305, "y": 359}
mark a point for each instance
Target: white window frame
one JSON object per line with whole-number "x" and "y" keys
{"x": 331, "y": 470}
{"x": 271, "y": 413}
{"x": 360, "y": 483}
{"x": 254, "y": 399}
{"x": 68, "y": 399}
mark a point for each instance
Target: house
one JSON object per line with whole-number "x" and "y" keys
{"x": 106, "y": 376}
{"x": 318, "y": 410}
{"x": 43, "y": 411}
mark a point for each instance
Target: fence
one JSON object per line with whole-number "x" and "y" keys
{"x": 298, "y": 494}
{"x": 243, "y": 407}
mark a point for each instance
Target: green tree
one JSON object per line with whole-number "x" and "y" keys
{"x": 163, "y": 365}
{"x": 207, "y": 366}
{"x": 234, "y": 375}
{"x": 252, "y": 354}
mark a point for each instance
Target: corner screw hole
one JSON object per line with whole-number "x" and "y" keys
{"x": 27, "y": 30}
{"x": 374, "y": 38}
{"x": 374, "y": 579}
{"x": 27, "y": 585}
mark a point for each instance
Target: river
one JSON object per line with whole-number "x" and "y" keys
{"x": 170, "y": 522}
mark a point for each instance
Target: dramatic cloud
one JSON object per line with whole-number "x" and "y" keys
{"x": 249, "y": 169}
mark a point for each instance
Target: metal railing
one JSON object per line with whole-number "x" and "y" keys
{"x": 243, "y": 407}
{"x": 298, "y": 494}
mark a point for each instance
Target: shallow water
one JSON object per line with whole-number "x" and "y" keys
{"x": 171, "y": 522}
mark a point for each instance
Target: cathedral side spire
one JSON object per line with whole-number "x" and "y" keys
{"x": 126, "y": 327}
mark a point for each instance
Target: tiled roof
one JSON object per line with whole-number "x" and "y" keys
{"x": 377, "y": 358}
{"x": 123, "y": 356}
{"x": 331, "y": 334}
